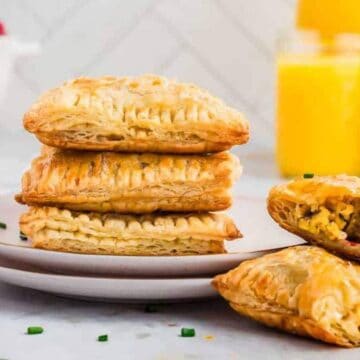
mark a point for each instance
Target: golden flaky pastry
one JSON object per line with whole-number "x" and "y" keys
{"x": 323, "y": 210}
{"x": 135, "y": 114}
{"x": 130, "y": 183}
{"x": 93, "y": 233}
{"x": 303, "y": 290}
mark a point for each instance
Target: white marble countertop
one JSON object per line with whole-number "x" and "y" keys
{"x": 71, "y": 326}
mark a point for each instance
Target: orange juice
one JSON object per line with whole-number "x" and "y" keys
{"x": 329, "y": 17}
{"x": 318, "y": 114}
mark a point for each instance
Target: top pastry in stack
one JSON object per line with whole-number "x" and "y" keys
{"x": 131, "y": 166}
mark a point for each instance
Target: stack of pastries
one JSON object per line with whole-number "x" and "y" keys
{"x": 131, "y": 166}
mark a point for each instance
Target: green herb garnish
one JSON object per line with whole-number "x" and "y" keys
{"x": 34, "y": 330}
{"x": 2, "y": 225}
{"x": 22, "y": 236}
{"x": 308, "y": 176}
{"x": 103, "y": 338}
{"x": 187, "y": 332}
{"x": 151, "y": 309}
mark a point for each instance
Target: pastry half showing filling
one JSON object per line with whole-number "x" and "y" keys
{"x": 114, "y": 234}
{"x": 323, "y": 210}
{"x": 147, "y": 113}
{"x": 303, "y": 290}
{"x": 130, "y": 183}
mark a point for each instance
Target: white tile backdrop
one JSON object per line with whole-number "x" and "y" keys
{"x": 226, "y": 46}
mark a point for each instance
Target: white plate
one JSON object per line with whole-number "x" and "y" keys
{"x": 108, "y": 288}
{"x": 261, "y": 235}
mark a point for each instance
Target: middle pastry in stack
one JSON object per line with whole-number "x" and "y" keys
{"x": 94, "y": 202}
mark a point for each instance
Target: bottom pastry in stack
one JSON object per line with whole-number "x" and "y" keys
{"x": 93, "y": 233}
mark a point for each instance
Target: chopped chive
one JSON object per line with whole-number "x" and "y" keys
{"x": 34, "y": 330}
{"x": 151, "y": 309}
{"x": 308, "y": 176}
{"x": 2, "y": 225}
{"x": 22, "y": 236}
{"x": 187, "y": 332}
{"x": 103, "y": 338}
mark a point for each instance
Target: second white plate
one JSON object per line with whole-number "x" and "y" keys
{"x": 261, "y": 236}
{"x": 111, "y": 289}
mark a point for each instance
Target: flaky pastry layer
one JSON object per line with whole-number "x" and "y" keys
{"x": 324, "y": 211}
{"x": 130, "y": 183}
{"x": 303, "y": 290}
{"x": 135, "y": 114}
{"x": 95, "y": 233}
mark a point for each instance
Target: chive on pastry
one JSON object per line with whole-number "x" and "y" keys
{"x": 115, "y": 234}
{"x": 129, "y": 183}
{"x": 302, "y": 290}
{"x": 325, "y": 211}
{"x": 135, "y": 114}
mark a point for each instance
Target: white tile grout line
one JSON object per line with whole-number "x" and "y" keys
{"x": 116, "y": 41}
{"x": 60, "y": 22}
{"x": 171, "y": 59}
{"x": 208, "y": 67}
{"x": 260, "y": 46}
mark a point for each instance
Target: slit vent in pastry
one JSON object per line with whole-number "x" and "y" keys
{"x": 323, "y": 210}
{"x": 114, "y": 234}
{"x": 135, "y": 114}
{"x": 130, "y": 183}
{"x": 303, "y": 290}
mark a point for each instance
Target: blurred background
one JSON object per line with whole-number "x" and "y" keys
{"x": 226, "y": 46}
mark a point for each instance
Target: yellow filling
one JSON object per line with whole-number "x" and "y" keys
{"x": 330, "y": 221}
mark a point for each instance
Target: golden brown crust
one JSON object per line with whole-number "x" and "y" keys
{"x": 320, "y": 211}
{"x": 94, "y": 233}
{"x": 303, "y": 290}
{"x": 129, "y": 183}
{"x": 135, "y": 114}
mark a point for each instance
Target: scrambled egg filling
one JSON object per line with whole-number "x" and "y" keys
{"x": 330, "y": 220}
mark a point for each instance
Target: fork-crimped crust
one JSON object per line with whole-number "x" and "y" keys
{"x": 130, "y": 183}
{"x": 135, "y": 114}
{"x": 69, "y": 231}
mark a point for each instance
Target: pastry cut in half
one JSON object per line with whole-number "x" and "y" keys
{"x": 135, "y": 114}
{"x": 130, "y": 183}
{"x": 302, "y": 290}
{"x": 324, "y": 211}
{"x": 115, "y": 234}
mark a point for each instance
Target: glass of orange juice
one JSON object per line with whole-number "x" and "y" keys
{"x": 318, "y": 104}
{"x": 329, "y": 17}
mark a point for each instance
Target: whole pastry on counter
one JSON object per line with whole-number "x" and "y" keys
{"x": 135, "y": 114}
{"x": 325, "y": 211}
{"x": 303, "y": 290}
{"x": 114, "y": 234}
{"x": 130, "y": 183}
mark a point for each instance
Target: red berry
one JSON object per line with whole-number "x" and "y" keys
{"x": 2, "y": 29}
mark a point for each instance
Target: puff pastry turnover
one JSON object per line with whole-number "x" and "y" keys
{"x": 323, "y": 210}
{"x": 135, "y": 114}
{"x": 303, "y": 290}
{"x": 129, "y": 183}
{"x": 93, "y": 233}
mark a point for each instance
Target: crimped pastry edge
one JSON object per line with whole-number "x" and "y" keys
{"x": 148, "y": 235}
{"x": 202, "y": 183}
{"x": 195, "y": 111}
